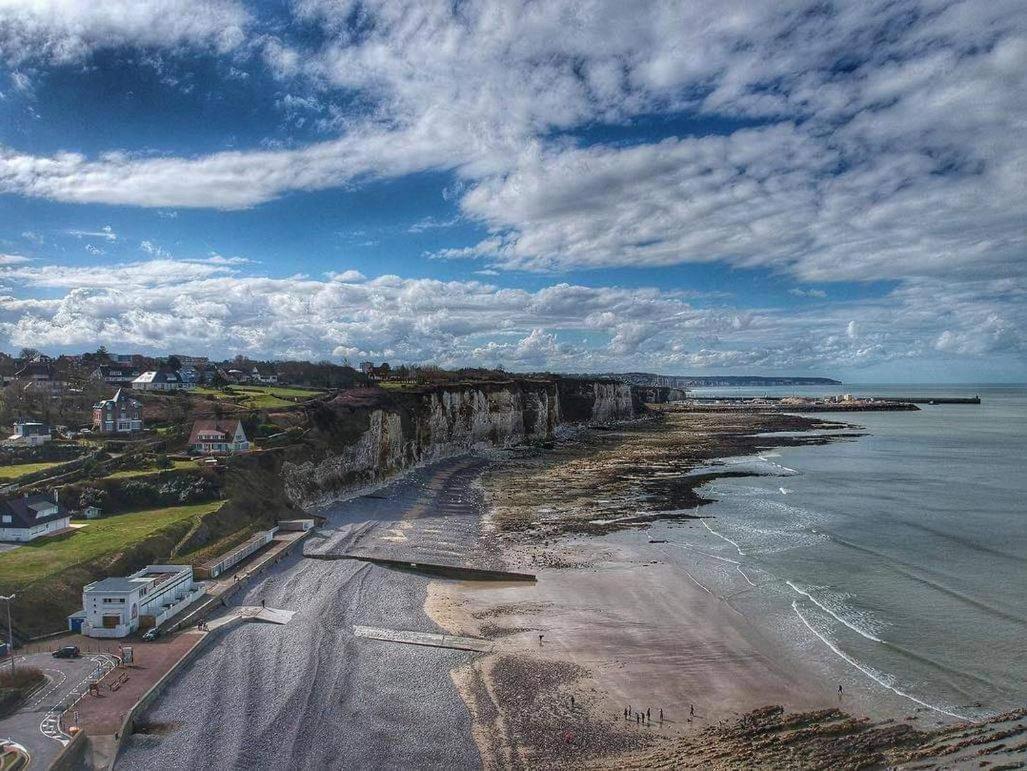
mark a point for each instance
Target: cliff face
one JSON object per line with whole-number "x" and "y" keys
{"x": 364, "y": 445}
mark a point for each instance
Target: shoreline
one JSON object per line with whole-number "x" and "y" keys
{"x": 625, "y": 624}
{"x": 628, "y": 625}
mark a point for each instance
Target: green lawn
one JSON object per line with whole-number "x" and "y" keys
{"x": 259, "y": 397}
{"x": 99, "y": 537}
{"x": 143, "y": 472}
{"x": 20, "y": 470}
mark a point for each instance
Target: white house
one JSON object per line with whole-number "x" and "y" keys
{"x": 215, "y": 437}
{"x": 160, "y": 380}
{"x": 28, "y": 434}
{"x": 33, "y": 516}
{"x": 116, "y": 607}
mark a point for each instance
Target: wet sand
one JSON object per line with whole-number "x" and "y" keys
{"x": 627, "y": 624}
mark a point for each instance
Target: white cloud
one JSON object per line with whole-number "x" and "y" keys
{"x": 106, "y": 232}
{"x": 816, "y": 294}
{"x": 66, "y": 31}
{"x": 200, "y": 305}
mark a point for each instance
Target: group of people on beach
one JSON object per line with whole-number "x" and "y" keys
{"x": 646, "y": 718}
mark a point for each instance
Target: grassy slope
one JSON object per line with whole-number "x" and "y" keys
{"x": 45, "y": 558}
{"x": 178, "y": 466}
{"x": 21, "y": 469}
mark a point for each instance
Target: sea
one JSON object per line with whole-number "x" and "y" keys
{"x": 895, "y": 562}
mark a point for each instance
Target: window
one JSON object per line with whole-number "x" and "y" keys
{"x": 7, "y": 519}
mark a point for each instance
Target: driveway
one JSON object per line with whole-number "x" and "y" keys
{"x": 37, "y": 725}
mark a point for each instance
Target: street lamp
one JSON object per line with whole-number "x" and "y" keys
{"x": 10, "y": 636}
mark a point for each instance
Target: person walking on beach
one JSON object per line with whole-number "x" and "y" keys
{"x": 648, "y": 716}
{"x": 691, "y": 711}
{"x": 637, "y": 719}
{"x": 262, "y": 604}
{"x": 661, "y": 715}
{"x": 625, "y": 713}
{"x": 540, "y": 641}
{"x": 572, "y": 701}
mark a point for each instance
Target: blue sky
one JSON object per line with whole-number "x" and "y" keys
{"x": 798, "y": 188}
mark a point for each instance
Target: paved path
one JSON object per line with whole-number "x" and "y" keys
{"x": 311, "y": 694}
{"x": 38, "y": 724}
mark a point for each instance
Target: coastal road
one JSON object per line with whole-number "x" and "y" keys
{"x": 37, "y": 724}
{"x": 311, "y": 694}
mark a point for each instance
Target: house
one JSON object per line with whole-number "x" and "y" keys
{"x": 116, "y": 374}
{"x": 160, "y": 380}
{"x": 40, "y": 375}
{"x": 119, "y": 415}
{"x": 190, "y": 375}
{"x": 33, "y": 516}
{"x": 29, "y": 434}
{"x": 191, "y": 361}
{"x": 116, "y": 607}
{"x": 264, "y": 375}
{"x": 215, "y": 437}
{"x": 237, "y": 376}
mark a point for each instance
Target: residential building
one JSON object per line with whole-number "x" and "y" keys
{"x": 191, "y": 361}
{"x": 118, "y": 415}
{"x": 116, "y": 607}
{"x": 264, "y": 375}
{"x": 32, "y": 516}
{"x": 160, "y": 380}
{"x": 27, "y": 434}
{"x": 40, "y": 375}
{"x": 218, "y": 437}
{"x": 116, "y": 374}
{"x": 190, "y": 375}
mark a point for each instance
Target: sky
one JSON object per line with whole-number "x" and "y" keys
{"x": 789, "y": 187}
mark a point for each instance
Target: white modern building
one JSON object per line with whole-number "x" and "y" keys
{"x": 116, "y": 607}
{"x": 27, "y": 434}
{"x": 32, "y": 516}
{"x": 160, "y": 380}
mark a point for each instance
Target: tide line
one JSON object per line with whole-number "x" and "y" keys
{"x": 737, "y": 547}
{"x": 867, "y": 672}
{"x": 826, "y": 609}
{"x": 689, "y": 547}
{"x": 739, "y": 569}
{"x": 698, "y": 584}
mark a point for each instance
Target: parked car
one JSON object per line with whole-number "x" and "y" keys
{"x": 67, "y": 652}
{"x": 151, "y": 634}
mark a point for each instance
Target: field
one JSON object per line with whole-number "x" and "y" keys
{"x": 178, "y": 465}
{"x": 21, "y": 469}
{"x": 260, "y": 397}
{"x": 99, "y": 537}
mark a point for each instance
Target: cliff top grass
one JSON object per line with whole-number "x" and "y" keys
{"x": 260, "y": 397}
{"x": 21, "y": 469}
{"x": 177, "y": 465}
{"x": 100, "y": 537}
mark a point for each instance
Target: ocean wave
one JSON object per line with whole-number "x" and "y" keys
{"x": 877, "y": 677}
{"x": 724, "y": 537}
{"x": 846, "y": 622}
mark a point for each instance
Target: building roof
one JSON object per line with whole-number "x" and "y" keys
{"x": 113, "y": 585}
{"x": 159, "y": 376}
{"x": 226, "y": 427}
{"x": 120, "y": 397}
{"x": 117, "y": 370}
{"x": 23, "y": 511}
{"x": 32, "y": 428}
{"x": 35, "y": 369}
